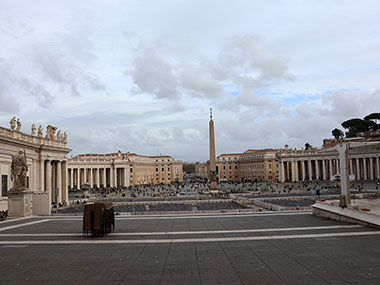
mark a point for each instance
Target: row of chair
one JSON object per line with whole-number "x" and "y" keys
{"x": 98, "y": 218}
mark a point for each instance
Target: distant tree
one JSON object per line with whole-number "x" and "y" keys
{"x": 374, "y": 117}
{"x": 338, "y": 134}
{"x": 307, "y": 146}
{"x": 357, "y": 125}
{"x": 189, "y": 167}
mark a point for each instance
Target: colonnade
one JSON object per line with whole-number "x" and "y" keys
{"x": 100, "y": 176}
{"x": 299, "y": 169}
{"x": 53, "y": 179}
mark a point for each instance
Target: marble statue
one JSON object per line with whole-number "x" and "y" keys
{"x": 18, "y": 126}
{"x": 40, "y": 134}
{"x": 33, "y": 130}
{"x": 13, "y": 123}
{"x": 19, "y": 169}
{"x": 59, "y": 137}
{"x": 64, "y": 137}
{"x": 50, "y": 132}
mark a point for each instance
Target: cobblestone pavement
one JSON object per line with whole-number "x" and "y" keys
{"x": 249, "y": 248}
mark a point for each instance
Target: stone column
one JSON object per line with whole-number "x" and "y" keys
{"x": 296, "y": 171}
{"x": 97, "y": 173}
{"x": 324, "y": 169}
{"x": 212, "y": 174}
{"x": 371, "y": 168}
{"x": 48, "y": 179}
{"x": 115, "y": 176}
{"x": 282, "y": 171}
{"x": 90, "y": 177}
{"x": 293, "y": 171}
{"x": 42, "y": 175}
{"x": 54, "y": 181}
{"x": 104, "y": 177}
{"x": 126, "y": 183}
{"x": 351, "y": 167}
{"x": 111, "y": 177}
{"x": 72, "y": 178}
{"x": 357, "y": 169}
{"x": 78, "y": 177}
{"x": 303, "y": 169}
{"x": 310, "y": 170}
{"x": 365, "y": 168}
{"x": 317, "y": 170}
{"x": 345, "y": 183}
{"x": 330, "y": 169}
{"x": 378, "y": 167}
{"x": 58, "y": 178}
{"x": 65, "y": 191}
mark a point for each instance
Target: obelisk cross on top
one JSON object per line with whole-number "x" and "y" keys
{"x": 212, "y": 172}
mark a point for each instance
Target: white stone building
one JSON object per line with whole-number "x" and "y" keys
{"x": 46, "y": 158}
{"x": 122, "y": 169}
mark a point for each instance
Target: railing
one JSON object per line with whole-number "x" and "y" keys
{"x": 31, "y": 139}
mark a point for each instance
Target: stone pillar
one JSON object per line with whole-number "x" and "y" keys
{"x": 303, "y": 169}
{"x": 126, "y": 183}
{"x": 104, "y": 177}
{"x": 330, "y": 169}
{"x": 97, "y": 173}
{"x": 90, "y": 177}
{"x": 282, "y": 171}
{"x": 351, "y": 167}
{"x": 58, "y": 193}
{"x": 310, "y": 170}
{"x": 296, "y": 171}
{"x": 293, "y": 171}
{"x": 65, "y": 191}
{"x": 72, "y": 178}
{"x": 115, "y": 176}
{"x": 378, "y": 167}
{"x": 48, "y": 179}
{"x": 42, "y": 175}
{"x": 345, "y": 186}
{"x": 371, "y": 168}
{"x": 212, "y": 174}
{"x": 357, "y": 169}
{"x": 78, "y": 177}
{"x": 54, "y": 181}
{"x": 317, "y": 169}
{"x": 365, "y": 168}
{"x": 112, "y": 177}
{"x": 324, "y": 169}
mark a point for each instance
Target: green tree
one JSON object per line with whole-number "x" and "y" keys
{"x": 357, "y": 125}
{"x": 374, "y": 117}
{"x": 338, "y": 134}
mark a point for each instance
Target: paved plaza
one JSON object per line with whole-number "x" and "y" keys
{"x": 245, "y": 248}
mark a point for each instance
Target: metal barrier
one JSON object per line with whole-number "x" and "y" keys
{"x": 98, "y": 219}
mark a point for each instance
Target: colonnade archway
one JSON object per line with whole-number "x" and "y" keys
{"x": 360, "y": 168}
{"x": 100, "y": 177}
{"x": 53, "y": 178}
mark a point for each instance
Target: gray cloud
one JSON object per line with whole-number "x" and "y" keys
{"x": 153, "y": 74}
{"x": 239, "y": 62}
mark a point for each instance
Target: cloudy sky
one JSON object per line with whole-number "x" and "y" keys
{"x": 141, "y": 75}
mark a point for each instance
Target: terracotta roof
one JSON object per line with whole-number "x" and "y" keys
{"x": 260, "y": 150}
{"x": 229, "y": 154}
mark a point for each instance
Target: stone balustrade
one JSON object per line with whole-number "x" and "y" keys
{"x": 32, "y": 139}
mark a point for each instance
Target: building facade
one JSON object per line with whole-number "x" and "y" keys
{"x": 46, "y": 157}
{"x": 228, "y": 167}
{"x": 122, "y": 169}
{"x": 259, "y": 165}
{"x": 324, "y": 164}
{"x": 292, "y": 165}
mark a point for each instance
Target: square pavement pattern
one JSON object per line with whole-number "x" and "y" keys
{"x": 244, "y": 248}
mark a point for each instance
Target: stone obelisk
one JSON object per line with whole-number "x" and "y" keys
{"x": 212, "y": 172}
